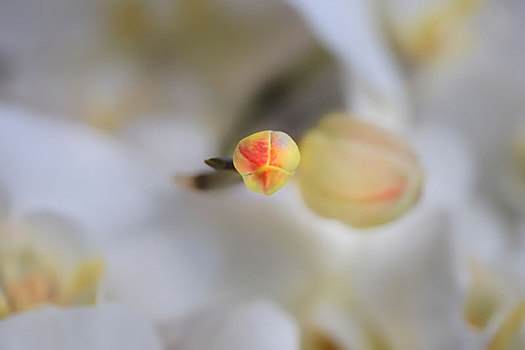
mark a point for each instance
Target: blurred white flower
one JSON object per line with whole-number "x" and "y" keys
{"x": 197, "y": 251}
{"x": 413, "y": 284}
{"x": 489, "y": 263}
{"x": 398, "y": 289}
{"x": 482, "y": 102}
{"x": 196, "y": 262}
{"x": 408, "y": 284}
{"x": 43, "y": 260}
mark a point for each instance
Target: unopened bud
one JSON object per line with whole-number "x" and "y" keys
{"x": 266, "y": 160}
{"x": 358, "y": 173}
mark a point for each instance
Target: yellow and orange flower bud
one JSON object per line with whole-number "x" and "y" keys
{"x": 358, "y": 173}
{"x": 266, "y": 160}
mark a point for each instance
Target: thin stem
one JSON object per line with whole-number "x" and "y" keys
{"x": 220, "y": 163}
{"x": 208, "y": 181}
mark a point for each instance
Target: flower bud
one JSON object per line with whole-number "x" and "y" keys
{"x": 266, "y": 160}
{"x": 358, "y": 173}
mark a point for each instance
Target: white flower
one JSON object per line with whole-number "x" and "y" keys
{"x": 43, "y": 260}
{"x": 398, "y": 289}
{"x": 164, "y": 277}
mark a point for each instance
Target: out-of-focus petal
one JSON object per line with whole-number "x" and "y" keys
{"x": 5, "y": 203}
{"x": 44, "y": 259}
{"x": 351, "y": 30}
{"x": 67, "y": 168}
{"x": 449, "y": 165}
{"x": 106, "y": 327}
{"x": 406, "y": 277}
{"x": 172, "y": 144}
{"x": 163, "y": 275}
{"x": 481, "y": 232}
{"x": 55, "y": 235}
{"x": 256, "y": 325}
{"x": 490, "y": 85}
{"x": 207, "y": 251}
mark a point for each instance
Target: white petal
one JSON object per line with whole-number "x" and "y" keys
{"x": 481, "y": 232}
{"x": 250, "y": 326}
{"x": 54, "y": 235}
{"x": 163, "y": 275}
{"x": 5, "y": 203}
{"x": 484, "y": 100}
{"x": 449, "y": 165}
{"x": 106, "y": 327}
{"x": 173, "y": 144}
{"x": 350, "y": 29}
{"x": 30, "y": 29}
{"x": 64, "y": 167}
{"x": 207, "y": 251}
{"x": 406, "y": 277}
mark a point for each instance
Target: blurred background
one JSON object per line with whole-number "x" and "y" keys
{"x": 115, "y": 234}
